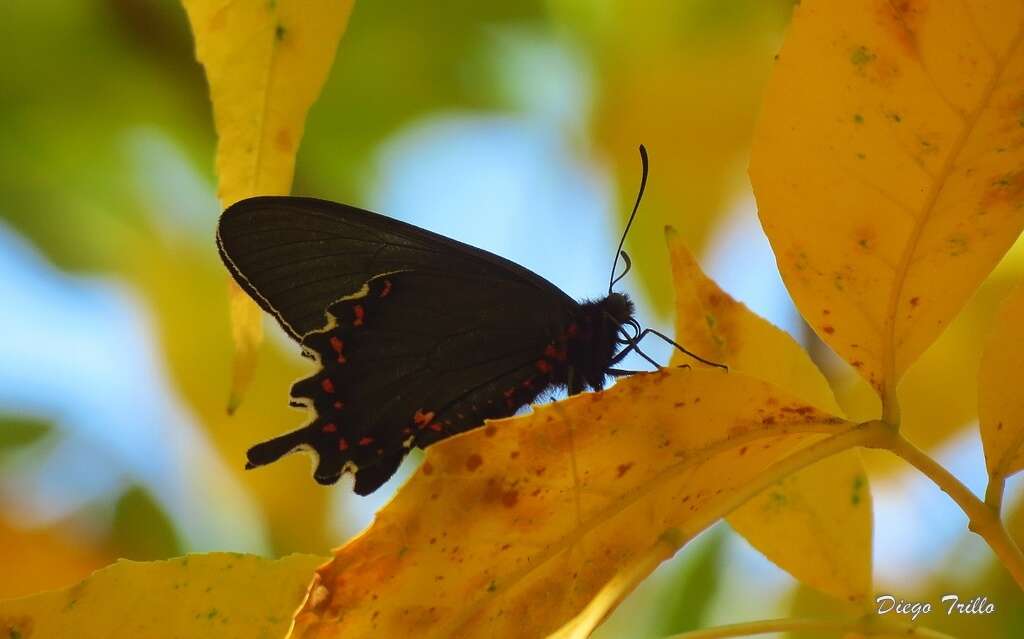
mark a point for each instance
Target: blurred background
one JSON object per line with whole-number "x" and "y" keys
{"x": 512, "y": 126}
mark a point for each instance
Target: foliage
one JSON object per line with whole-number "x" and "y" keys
{"x": 887, "y": 170}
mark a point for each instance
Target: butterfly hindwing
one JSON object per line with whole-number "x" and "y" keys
{"x": 402, "y": 366}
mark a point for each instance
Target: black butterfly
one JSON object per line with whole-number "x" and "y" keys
{"x": 418, "y": 337}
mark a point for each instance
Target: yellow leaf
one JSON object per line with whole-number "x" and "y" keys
{"x": 512, "y": 529}
{"x": 887, "y": 168}
{"x": 815, "y": 524}
{"x": 1000, "y": 403}
{"x": 265, "y": 61}
{"x": 220, "y": 595}
{"x": 717, "y": 327}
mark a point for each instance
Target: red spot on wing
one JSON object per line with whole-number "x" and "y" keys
{"x": 342, "y": 444}
{"x": 421, "y": 418}
{"x": 327, "y": 385}
{"x": 572, "y": 330}
{"x": 338, "y": 405}
{"x": 543, "y": 366}
{"x": 366, "y": 441}
{"x": 329, "y": 428}
{"x": 338, "y": 345}
{"x": 387, "y": 288}
{"x": 358, "y": 312}
{"x": 435, "y": 427}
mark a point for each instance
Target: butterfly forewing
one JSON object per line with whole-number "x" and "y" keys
{"x": 296, "y": 256}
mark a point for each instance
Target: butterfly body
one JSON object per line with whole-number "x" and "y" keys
{"x": 418, "y": 337}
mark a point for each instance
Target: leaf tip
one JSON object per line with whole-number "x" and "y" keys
{"x": 234, "y": 401}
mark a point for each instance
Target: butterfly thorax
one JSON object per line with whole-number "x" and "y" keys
{"x": 594, "y": 341}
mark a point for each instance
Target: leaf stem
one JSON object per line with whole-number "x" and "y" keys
{"x": 983, "y": 518}
{"x": 994, "y": 492}
{"x": 867, "y": 625}
{"x": 891, "y": 407}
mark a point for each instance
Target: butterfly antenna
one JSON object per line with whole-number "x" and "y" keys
{"x": 625, "y": 271}
{"x": 619, "y": 252}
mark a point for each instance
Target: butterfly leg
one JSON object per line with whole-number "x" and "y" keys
{"x": 634, "y": 345}
{"x": 650, "y": 331}
{"x": 620, "y": 372}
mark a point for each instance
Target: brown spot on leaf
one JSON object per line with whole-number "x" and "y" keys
{"x": 828, "y": 329}
{"x": 473, "y": 462}
{"x": 1004, "y": 190}
{"x": 958, "y": 244}
{"x": 509, "y": 499}
{"x": 901, "y": 19}
{"x": 283, "y": 141}
{"x": 867, "y": 239}
{"x": 914, "y": 301}
{"x": 743, "y": 450}
{"x": 20, "y": 627}
{"x": 428, "y": 468}
{"x": 624, "y": 468}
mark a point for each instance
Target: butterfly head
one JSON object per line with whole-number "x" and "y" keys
{"x": 619, "y": 310}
